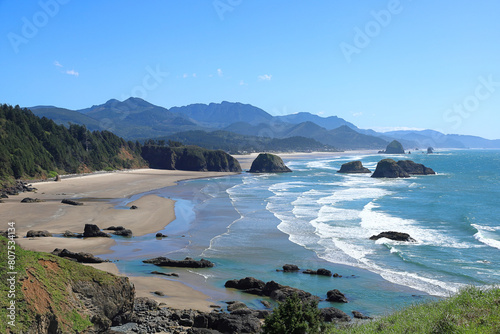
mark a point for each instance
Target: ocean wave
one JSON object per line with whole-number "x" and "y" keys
{"x": 487, "y": 241}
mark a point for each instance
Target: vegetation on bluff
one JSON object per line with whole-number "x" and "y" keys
{"x": 33, "y": 147}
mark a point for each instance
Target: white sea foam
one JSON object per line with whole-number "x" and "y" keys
{"x": 487, "y": 241}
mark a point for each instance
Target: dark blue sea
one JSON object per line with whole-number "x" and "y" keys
{"x": 251, "y": 225}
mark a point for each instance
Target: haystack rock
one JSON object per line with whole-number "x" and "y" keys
{"x": 394, "y": 147}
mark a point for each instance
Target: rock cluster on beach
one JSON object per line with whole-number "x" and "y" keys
{"x": 81, "y": 257}
{"x": 268, "y": 163}
{"x": 18, "y": 187}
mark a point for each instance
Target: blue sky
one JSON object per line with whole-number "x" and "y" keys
{"x": 379, "y": 64}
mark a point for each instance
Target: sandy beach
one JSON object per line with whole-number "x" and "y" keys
{"x": 95, "y": 190}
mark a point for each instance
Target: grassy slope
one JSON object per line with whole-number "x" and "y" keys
{"x": 42, "y": 286}
{"x": 472, "y": 310}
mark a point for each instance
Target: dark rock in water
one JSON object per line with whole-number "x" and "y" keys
{"x": 390, "y": 169}
{"x": 186, "y": 263}
{"x": 32, "y": 234}
{"x": 359, "y": 315}
{"x": 413, "y": 168}
{"x": 430, "y": 150}
{"x": 159, "y": 293}
{"x": 336, "y": 296}
{"x": 235, "y": 305}
{"x": 69, "y": 234}
{"x": 336, "y": 275}
{"x": 396, "y": 236}
{"x": 79, "y": 257}
{"x": 161, "y": 235}
{"x": 290, "y": 268}
{"x": 133, "y": 207}
{"x": 394, "y": 147}
{"x": 270, "y": 289}
{"x": 353, "y": 167}
{"x": 331, "y": 314}
{"x": 71, "y": 202}
{"x": 123, "y": 232}
{"x": 268, "y": 163}
{"x": 320, "y": 271}
{"x": 245, "y": 284}
{"x": 31, "y": 200}
{"x": 92, "y": 231}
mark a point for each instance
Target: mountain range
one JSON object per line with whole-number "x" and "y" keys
{"x": 137, "y": 119}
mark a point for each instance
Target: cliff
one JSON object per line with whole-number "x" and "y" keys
{"x": 55, "y": 295}
{"x": 268, "y": 163}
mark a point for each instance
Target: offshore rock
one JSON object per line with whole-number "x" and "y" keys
{"x": 186, "y": 263}
{"x": 394, "y": 147}
{"x": 268, "y": 163}
{"x": 332, "y": 314}
{"x": 336, "y": 296}
{"x": 396, "y": 236}
{"x": 388, "y": 168}
{"x": 413, "y": 168}
{"x": 353, "y": 167}
{"x": 290, "y": 268}
{"x": 79, "y": 257}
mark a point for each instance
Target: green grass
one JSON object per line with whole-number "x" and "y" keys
{"x": 53, "y": 284}
{"x": 471, "y": 310}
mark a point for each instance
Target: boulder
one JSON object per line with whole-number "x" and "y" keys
{"x": 245, "y": 284}
{"x": 353, "y": 167}
{"x": 430, "y": 150}
{"x": 32, "y": 234}
{"x": 331, "y": 314}
{"x": 186, "y": 263}
{"x": 69, "y": 234}
{"x": 133, "y": 207}
{"x": 336, "y": 296}
{"x": 92, "y": 231}
{"x": 359, "y": 315}
{"x": 165, "y": 274}
{"x": 78, "y": 257}
{"x": 290, "y": 268}
{"x": 388, "y": 168}
{"x": 413, "y": 168}
{"x": 114, "y": 228}
{"x": 161, "y": 235}
{"x": 396, "y": 236}
{"x": 235, "y": 305}
{"x": 32, "y": 200}
{"x": 57, "y": 178}
{"x": 124, "y": 233}
{"x": 268, "y": 163}
{"x": 394, "y": 147}
{"x": 71, "y": 202}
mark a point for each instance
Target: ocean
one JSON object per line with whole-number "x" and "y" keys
{"x": 253, "y": 224}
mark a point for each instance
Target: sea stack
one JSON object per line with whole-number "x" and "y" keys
{"x": 394, "y": 147}
{"x": 268, "y": 163}
{"x": 390, "y": 169}
{"x": 353, "y": 167}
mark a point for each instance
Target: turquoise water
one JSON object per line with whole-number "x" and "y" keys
{"x": 250, "y": 225}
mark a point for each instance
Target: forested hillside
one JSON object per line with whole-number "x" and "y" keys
{"x": 33, "y": 147}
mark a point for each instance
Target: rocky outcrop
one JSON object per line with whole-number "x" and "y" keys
{"x": 191, "y": 158}
{"x": 69, "y": 234}
{"x": 61, "y": 296}
{"x": 336, "y": 296}
{"x": 161, "y": 235}
{"x": 18, "y": 187}
{"x": 396, "y": 236}
{"x": 33, "y": 234}
{"x": 186, "y": 263}
{"x": 359, "y": 315}
{"x": 78, "y": 257}
{"x": 92, "y": 231}
{"x": 165, "y": 274}
{"x": 268, "y": 163}
{"x": 71, "y": 202}
{"x": 134, "y": 207}
{"x": 270, "y": 289}
{"x": 430, "y": 150}
{"x": 394, "y": 147}
{"x": 388, "y": 168}
{"x": 413, "y": 168}
{"x": 353, "y": 167}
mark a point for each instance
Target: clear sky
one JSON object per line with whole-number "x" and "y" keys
{"x": 379, "y": 64}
